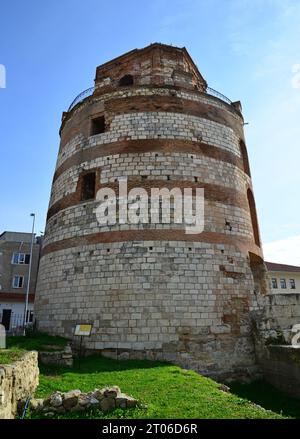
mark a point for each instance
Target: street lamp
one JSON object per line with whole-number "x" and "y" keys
{"x": 29, "y": 274}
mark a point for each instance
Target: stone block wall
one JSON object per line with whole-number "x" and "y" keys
{"x": 272, "y": 322}
{"x": 17, "y": 382}
{"x": 276, "y": 315}
{"x": 62, "y": 358}
{"x": 155, "y": 166}
{"x": 183, "y": 302}
{"x": 281, "y": 368}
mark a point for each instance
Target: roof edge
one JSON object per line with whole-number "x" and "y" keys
{"x": 275, "y": 266}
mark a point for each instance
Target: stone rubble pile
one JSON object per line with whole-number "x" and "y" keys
{"x": 75, "y": 401}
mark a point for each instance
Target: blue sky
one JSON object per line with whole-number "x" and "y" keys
{"x": 247, "y": 49}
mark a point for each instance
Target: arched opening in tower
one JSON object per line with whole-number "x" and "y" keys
{"x": 253, "y": 215}
{"x": 244, "y": 154}
{"x": 259, "y": 273}
{"x": 126, "y": 80}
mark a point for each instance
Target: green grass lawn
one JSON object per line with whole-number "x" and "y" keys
{"x": 167, "y": 390}
{"x": 37, "y": 341}
{"x": 11, "y": 355}
{"x": 17, "y": 346}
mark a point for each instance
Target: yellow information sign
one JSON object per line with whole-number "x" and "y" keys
{"x": 83, "y": 330}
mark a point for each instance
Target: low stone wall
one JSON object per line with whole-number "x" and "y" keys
{"x": 17, "y": 382}
{"x": 61, "y": 358}
{"x": 281, "y": 368}
{"x": 276, "y": 315}
{"x": 279, "y": 361}
{"x": 76, "y": 401}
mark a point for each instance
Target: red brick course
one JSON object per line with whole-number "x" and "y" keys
{"x": 149, "y": 145}
{"x": 242, "y": 244}
{"x": 212, "y": 192}
{"x": 80, "y": 121}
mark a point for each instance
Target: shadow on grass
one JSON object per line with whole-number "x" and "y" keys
{"x": 265, "y": 395}
{"x": 97, "y": 363}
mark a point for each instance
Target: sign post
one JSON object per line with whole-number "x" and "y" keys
{"x": 82, "y": 330}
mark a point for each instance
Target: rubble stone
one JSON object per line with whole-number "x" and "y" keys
{"x": 76, "y": 401}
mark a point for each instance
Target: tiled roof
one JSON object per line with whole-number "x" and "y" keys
{"x": 272, "y": 266}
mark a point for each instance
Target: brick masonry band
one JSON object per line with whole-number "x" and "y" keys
{"x": 148, "y": 145}
{"x": 240, "y": 243}
{"x": 212, "y": 192}
{"x": 155, "y": 125}
{"x": 126, "y": 105}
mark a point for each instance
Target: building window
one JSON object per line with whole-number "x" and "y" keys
{"x": 292, "y": 284}
{"x": 88, "y": 186}
{"x": 98, "y": 125}
{"x": 283, "y": 284}
{"x": 126, "y": 80}
{"x": 274, "y": 282}
{"x": 20, "y": 258}
{"x": 18, "y": 281}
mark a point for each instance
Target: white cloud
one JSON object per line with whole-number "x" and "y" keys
{"x": 296, "y": 78}
{"x": 284, "y": 251}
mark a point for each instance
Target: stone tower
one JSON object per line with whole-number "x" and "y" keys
{"x": 152, "y": 290}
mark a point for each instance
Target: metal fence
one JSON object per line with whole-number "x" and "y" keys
{"x": 89, "y": 91}
{"x": 14, "y": 326}
{"x": 217, "y": 94}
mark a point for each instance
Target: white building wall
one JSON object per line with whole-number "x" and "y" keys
{"x": 287, "y": 275}
{"x": 17, "y": 309}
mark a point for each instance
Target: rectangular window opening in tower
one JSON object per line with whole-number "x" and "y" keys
{"x": 88, "y": 186}
{"x": 98, "y": 125}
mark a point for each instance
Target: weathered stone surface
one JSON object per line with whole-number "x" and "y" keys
{"x": 121, "y": 401}
{"x": 72, "y": 394}
{"x": 130, "y": 402}
{"x": 70, "y": 399}
{"x": 94, "y": 402}
{"x": 107, "y": 404}
{"x": 56, "y": 400}
{"x": 68, "y": 349}
{"x": 70, "y": 402}
{"x": 36, "y": 404}
{"x": 17, "y": 382}
{"x": 112, "y": 392}
{"x": 85, "y": 400}
{"x": 77, "y": 408}
{"x": 275, "y": 316}
{"x": 98, "y": 394}
{"x": 62, "y": 357}
{"x": 281, "y": 368}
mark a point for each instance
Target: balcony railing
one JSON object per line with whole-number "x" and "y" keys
{"x": 90, "y": 91}
{"x": 219, "y": 95}
{"x": 84, "y": 94}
